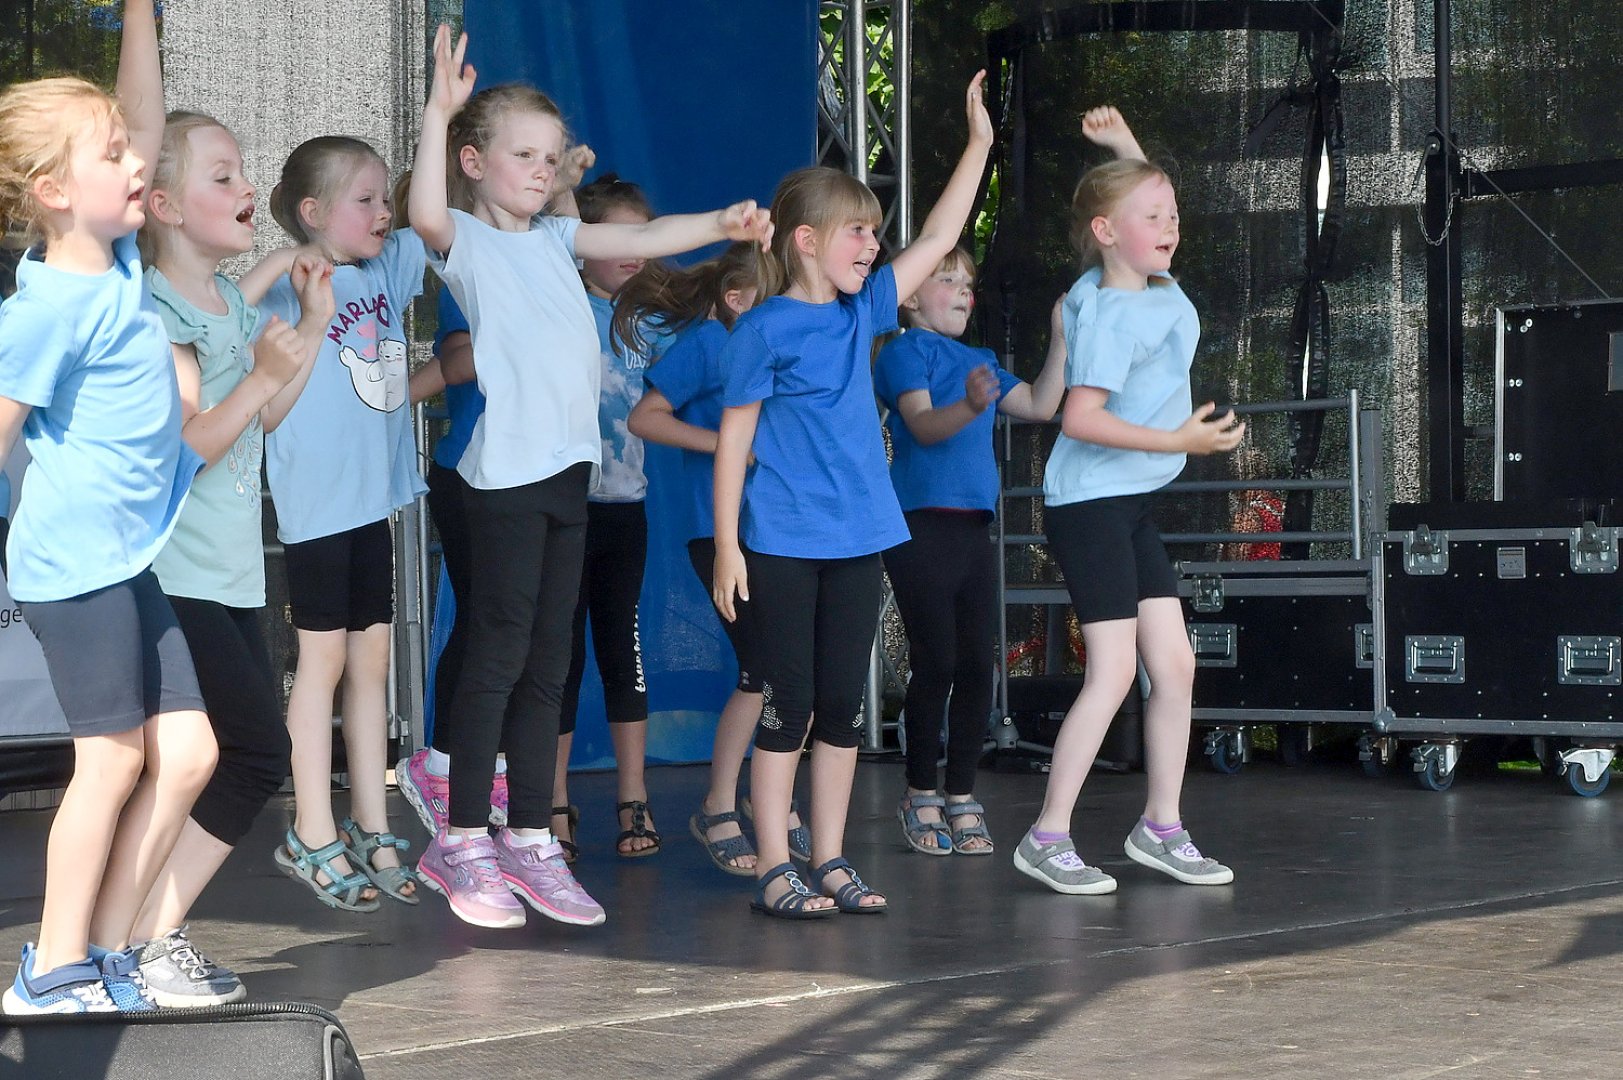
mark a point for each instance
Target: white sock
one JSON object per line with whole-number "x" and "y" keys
{"x": 439, "y": 763}
{"x": 454, "y": 838}
{"x": 501, "y": 764}
{"x": 535, "y": 839}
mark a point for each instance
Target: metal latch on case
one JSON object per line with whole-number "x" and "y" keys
{"x": 1425, "y": 552}
{"x": 1208, "y": 594}
{"x": 1593, "y": 549}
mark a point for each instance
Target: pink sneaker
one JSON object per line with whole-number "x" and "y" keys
{"x": 468, "y": 876}
{"x": 538, "y": 875}
{"x": 498, "y": 801}
{"x": 428, "y": 794}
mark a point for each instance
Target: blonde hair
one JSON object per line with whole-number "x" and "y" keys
{"x": 37, "y": 136}
{"x": 317, "y": 169}
{"x": 677, "y": 299}
{"x": 825, "y": 199}
{"x": 959, "y": 258}
{"x": 1098, "y": 193}
{"x": 169, "y": 172}
{"x": 475, "y": 125}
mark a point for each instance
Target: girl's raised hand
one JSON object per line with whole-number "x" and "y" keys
{"x": 746, "y": 221}
{"x": 577, "y": 159}
{"x": 280, "y": 352}
{"x": 980, "y": 121}
{"x": 452, "y": 84}
{"x": 311, "y": 278}
{"x": 1105, "y": 126}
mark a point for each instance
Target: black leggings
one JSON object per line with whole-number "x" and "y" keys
{"x": 814, "y": 624}
{"x": 527, "y": 546}
{"x": 945, "y": 582}
{"x": 610, "y": 583}
{"x": 447, "y": 505}
{"x": 234, "y": 673}
{"x": 702, "y": 554}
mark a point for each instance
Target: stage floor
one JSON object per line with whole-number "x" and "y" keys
{"x": 1373, "y": 930}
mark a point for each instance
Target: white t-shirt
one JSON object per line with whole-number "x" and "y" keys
{"x": 534, "y": 346}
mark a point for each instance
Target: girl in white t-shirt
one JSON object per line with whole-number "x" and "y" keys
{"x": 529, "y": 464}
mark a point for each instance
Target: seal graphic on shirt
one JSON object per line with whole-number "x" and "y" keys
{"x": 378, "y": 371}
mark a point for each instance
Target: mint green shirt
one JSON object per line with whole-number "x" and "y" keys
{"x": 217, "y": 551}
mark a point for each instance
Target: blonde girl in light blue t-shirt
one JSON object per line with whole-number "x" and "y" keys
{"x": 1127, "y": 425}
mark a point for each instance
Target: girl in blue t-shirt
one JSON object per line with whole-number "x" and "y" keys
{"x": 340, "y": 463}
{"x": 200, "y": 212}
{"x": 529, "y": 464}
{"x": 818, "y": 505}
{"x": 87, "y": 379}
{"x": 616, "y": 540}
{"x": 1130, "y": 337}
{"x": 682, "y": 408}
{"x": 939, "y": 393}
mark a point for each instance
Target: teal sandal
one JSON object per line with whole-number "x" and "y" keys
{"x": 391, "y": 880}
{"x": 722, "y": 851}
{"x": 341, "y": 891}
{"x": 848, "y": 897}
{"x": 792, "y": 904}
{"x": 963, "y": 834}
{"x": 925, "y": 837}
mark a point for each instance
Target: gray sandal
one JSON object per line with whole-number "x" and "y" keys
{"x": 925, "y": 837}
{"x": 722, "y": 851}
{"x": 341, "y": 891}
{"x": 963, "y": 834}
{"x": 360, "y": 845}
{"x": 799, "y": 836}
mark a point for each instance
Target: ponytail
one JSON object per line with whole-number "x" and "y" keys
{"x": 677, "y": 299}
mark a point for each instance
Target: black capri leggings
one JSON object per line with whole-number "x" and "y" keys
{"x": 702, "y": 554}
{"x": 814, "y": 623}
{"x": 234, "y": 673}
{"x": 945, "y": 582}
{"x": 610, "y": 584}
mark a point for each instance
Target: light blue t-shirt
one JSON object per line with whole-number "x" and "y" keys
{"x": 959, "y": 473}
{"x": 623, "y": 477}
{"x": 344, "y": 455}
{"x": 820, "y": 487}
{"x": 690, "y": 377}
{"x": 462, "y": 400}
{"x": 1139, "y": 346}
{"x": 217, "y": 550}
{"x": 109, "y": 472}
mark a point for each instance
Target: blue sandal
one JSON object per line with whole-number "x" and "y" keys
{"x": 792, "y": 904}
{"x": 722, "y": 851}
{"x": 963, "y": 834}
{"x": 848, "y": 897}
{"x": 391, "y": 880}
{"x": 341, "y": 891}
{"x": 926, "y": 837}
{"x": 799, "y": 836}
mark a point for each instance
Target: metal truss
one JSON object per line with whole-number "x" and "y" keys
{"x": 864, "y": 93}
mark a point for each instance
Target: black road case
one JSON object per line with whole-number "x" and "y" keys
{"x": 1500, "y": 631}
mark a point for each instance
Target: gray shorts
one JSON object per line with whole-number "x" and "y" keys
{"x": 117, "y": 656}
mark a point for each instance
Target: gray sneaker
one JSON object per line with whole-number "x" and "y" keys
{"x": 1058, "y": 866}
{"x": 1176, "y": 856}
{"x": 180, "y": 977}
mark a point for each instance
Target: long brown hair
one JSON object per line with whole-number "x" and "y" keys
{"x": 677, "y": 299}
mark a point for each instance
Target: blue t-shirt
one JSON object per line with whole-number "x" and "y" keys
{"x": 820, "y": 487}
{"x": 109, "y": 472}
{"x": 463, "y": 401}
{"x": 1138, "y": 345}
{"x": 959, "y": 473}
{"x": 690, "y": 377}
{"x": 344, "y": 455}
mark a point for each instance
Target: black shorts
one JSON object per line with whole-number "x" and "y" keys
{"x": 1111, "y": 555}
{"x": 344, "y": 581}
{"x": 702, "y": 554}
{"x": 116, "y": 656}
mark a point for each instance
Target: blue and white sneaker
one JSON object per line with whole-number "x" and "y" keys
{"x": 126, "y": 986}
{"x": 71, "y": 988}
